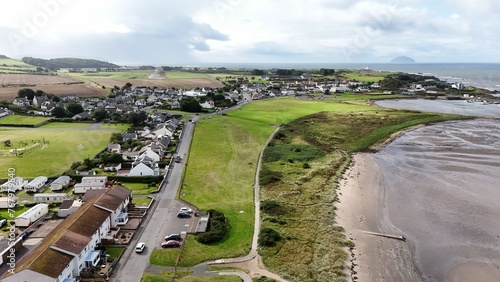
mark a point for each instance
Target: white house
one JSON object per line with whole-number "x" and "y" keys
{"x": 114, "y": 148}
{"x": 150, "y": 154}
{"x": 144, "y": 166}
{"x": 33, "y": 214}
{"x": 50, "y": 198}
{"x": 8, "y": 202}
{"x": 90, "y": 183}
{"x": 68, "y": 207}
{"x": 36, "y": 184}
{"x": 113, "y": 167}
{"x": 14, "y": 184}
{"x": 60, "y": 183}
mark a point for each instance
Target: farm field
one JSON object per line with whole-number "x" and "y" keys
{"x": 81, "y": 90}
{"x": 34, "y": 79}
{"x": 55, "y": 149}
{"x": 24, "y": 120}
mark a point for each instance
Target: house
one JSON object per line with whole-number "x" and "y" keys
{"x": 60, "y": 183}
{"x": 36, "y": 184}
{"x": 82, "y": 115}
{"x": 114, "y": 148}
{"x": 129, "y": 136}
{"x": 30, "y": 216}
{"x": 140, "y": 103}
{"x": 90, "y": 183}
{"x": 21, "y": 102}
{"x": 207, "y": 105}
{"x": 72, "y": 247}
{"x": 175, "y": 105}
{"x": 144, "y": 166}
{"x": 68, "y": 207}
{"x": 14, "y": 184}
{"x": 458, "y": 85}
{"x": 149, "y": 153}
{"x": 113, "y": 167}
{"x": 159, "y": 131}
{"x": 8, "y": 202}
{"x": 50, "y": 198}
{"x": 4, "y": 112}
{"x": 39, "y": 100}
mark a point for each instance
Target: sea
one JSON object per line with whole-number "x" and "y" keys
{"x": 481, "y": 75}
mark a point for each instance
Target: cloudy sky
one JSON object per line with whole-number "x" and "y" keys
{"x": 164, "y": 32}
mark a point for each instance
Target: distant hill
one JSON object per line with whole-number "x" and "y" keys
{"x": 402, "y": 60}
{"x": 73, "y": 63}
{"x": 4, "y": 57}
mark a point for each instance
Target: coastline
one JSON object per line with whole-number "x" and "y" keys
{"x": 361, "y": 210}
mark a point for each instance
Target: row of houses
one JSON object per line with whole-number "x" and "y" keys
{"x": 73, "y": 246}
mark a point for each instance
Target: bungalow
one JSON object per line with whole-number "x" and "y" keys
{"x": 129, "y": 136}
{"x": 50, "y": 198}
{"x": 60, "y": 183}
{"x": 114, "y": 148}
{"x": 14, "y": 184}
{"x": 82, "y": 115}
{"x": 21, "y": 102}
{"x": 207, "y": 105}
{"x": 113, "y": 167}
{"x": 68, "y": 207}
{"x": 36, "y": 184}
{"x": 90, "y": 183}
{"x": 4, "y": 112}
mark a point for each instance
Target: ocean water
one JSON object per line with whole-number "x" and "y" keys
{"x": 482, "y": 75}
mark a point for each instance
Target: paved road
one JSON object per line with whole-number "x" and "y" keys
{"x": 161, "y": 220}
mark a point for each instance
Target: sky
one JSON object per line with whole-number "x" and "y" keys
{"x": 167, "y": 32}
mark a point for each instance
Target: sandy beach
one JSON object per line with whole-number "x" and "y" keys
{"x": 437, "y": 186}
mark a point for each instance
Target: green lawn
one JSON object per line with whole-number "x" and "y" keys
{"x": 22, "y": 120}
{"x": 114, "y": 252}
{"x": 141, "y": 201}
{"x": 133, "y": 74}
{"x": 59, "y": 148}
{"x": 364, "y": 77}
{"x": 185, "y": 74}
{"x": 140, "y": 188}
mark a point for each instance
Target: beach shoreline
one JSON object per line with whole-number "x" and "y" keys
{"x": 361, "y": 213}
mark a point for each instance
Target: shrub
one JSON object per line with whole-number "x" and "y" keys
{"x": 306, "y": 166}
{"x": 271, "y": 207}
{"x": 217, "y": 228}
{"x": 295, "y": 152}
{"x": 269, "y": 176}
{"x": 268, "y": 237}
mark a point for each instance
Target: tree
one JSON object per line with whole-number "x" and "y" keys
{"x": 88, "y": 163}
{"x": 257, "y": 72}
{"x": 127, "y": 85}
{"x": 137, "y": 118}
{"x": 99, "y": 114}
{"x": 74, "y": 108}
{"x": 26, "y": 92}
{"x": 190, "y": 105}
{"x": 59, "y": 112}
{"x": 116, "y": 137}
{"x": 39, "y": 93}
{"x": 326, "y": 72}
{"x": 56, "y": 99}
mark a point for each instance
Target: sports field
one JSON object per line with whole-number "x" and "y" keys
{"x": 50, "y": 150}
{"x": 22, "y": 120}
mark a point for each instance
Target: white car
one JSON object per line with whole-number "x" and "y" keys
{"x": 140, "y": 247}
{"x": 186, "y": 210}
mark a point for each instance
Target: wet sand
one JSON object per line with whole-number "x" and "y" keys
{"x": 439, "y": 186}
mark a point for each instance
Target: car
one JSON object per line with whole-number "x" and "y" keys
{"x": 183, "y": 215}
{"x": 170, "y": 244}
{"x": 186, "y": 210}
{"x": 139, "y": 248}
{"x": 176, "y": 237}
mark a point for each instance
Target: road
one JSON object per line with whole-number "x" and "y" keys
{"x": 161, "y": 220}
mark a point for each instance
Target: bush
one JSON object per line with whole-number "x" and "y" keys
{"x": 292, "y": 152}
{"x": 268, "y": 237}
{"x": 306, "y": 166}
{"x": 271, "y": 207}
{"x": 269, "y": 176}
{"x": 30, "y": 204}
{"x": 217, "y": 228}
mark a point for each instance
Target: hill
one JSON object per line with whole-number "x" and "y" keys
{"x": 4, "y": 57}
{"x": 402, "y": 60}
{"x": 74, "y": 63}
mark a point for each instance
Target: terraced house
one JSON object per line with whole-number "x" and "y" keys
{"x": 72, "y": 247}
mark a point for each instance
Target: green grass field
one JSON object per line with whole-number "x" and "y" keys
{"x": 133, "y": 74}
{"x": 140, "y": 188}
{"x": 364, "y": 77}
{"x": 60, "y": 147}
{"x": 12, "y": 63}
{"x": 185, "y": 74}
{"x": 22, "y": 120}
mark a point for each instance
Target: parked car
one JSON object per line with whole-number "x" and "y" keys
{"x": 170, "y": 244}
{"x": 176, "y": 237}
{"x": 186, "y": 210}
{"x": 139, "y": 248}
{"x": 183, "y": 215}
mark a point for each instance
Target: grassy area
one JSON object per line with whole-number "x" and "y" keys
{"x": 297, "y": 193}
{"x": 365, "y": 76}
{"x": 133, "y": 74}
{"x": 185, "y": 74}
{"x": 12, "y": 63}
{"x": 164, "y": 257}
{"x": 114, "y": 252}
{"x": 140, "y": 188}
{"x": 141, "y": 201}
{"x": 22, "y": 120}
{"x": 59, "y": 148}
{"x": 183, "y": 276}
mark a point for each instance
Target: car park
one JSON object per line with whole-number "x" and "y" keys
{"x": 183, "y": 215}
{"x": 170, "y": 244}
{"x": 176, "y": 237}
{"x": 139, "y": 248}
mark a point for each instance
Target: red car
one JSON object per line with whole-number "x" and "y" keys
{"x": 171, "y": 244}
